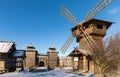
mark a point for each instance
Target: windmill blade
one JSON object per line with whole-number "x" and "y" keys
{"x": 62, "y": 48}
{"x": 98, "y": 8}
{"x": 68, "y": 15}
{"x": 101, "y": 5}
{"x": 67, "y": 44}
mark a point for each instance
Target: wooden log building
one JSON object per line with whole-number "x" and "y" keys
{"x": 96, "y": 30}
{"x": 6, "y": 60}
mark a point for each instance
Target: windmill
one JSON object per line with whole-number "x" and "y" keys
{"x": 69, "y": 16}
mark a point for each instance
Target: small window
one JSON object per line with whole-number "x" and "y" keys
{"x": 86, "y": 26}
{"x": 99, "y": 26}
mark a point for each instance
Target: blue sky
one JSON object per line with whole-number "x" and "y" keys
{"x": 39, "y": 22}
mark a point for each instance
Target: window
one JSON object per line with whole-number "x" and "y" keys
{"x": 86, "y": 26}
{"x": 99, "y": 26}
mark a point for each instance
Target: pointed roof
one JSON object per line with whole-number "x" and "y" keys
{"x": 5, "y": 46}
{"x": 77, "y": 51}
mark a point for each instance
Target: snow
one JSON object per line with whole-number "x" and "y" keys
{"x": 43, "y": 54}
{"x": 5, "y": 46}
{"x": 18, "y": 53}
{"x": 53, "y": 73}
{"x": 83, "y": 51}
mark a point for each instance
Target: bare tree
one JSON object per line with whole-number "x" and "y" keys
{"x": 106, "y": 57}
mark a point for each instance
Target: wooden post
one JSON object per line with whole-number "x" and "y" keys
{"x": 79, "y": 63}
{"x": 91, "y": 66}
{"x": 73, "y": 62}
{"x": 85, "y": 64}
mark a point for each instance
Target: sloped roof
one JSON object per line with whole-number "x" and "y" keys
{"x": 19, "y": 53}
{"x": 5, "y": 46}
{"x": 78, "y": 51}
{"x": 83, "y": 51}
{"x": 52, "y": 49}
{"x": 42, "y": 54}
{"x": 30, "y": 47}
{"x": 93, "y": 20}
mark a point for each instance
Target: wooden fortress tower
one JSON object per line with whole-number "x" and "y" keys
{"x": 31, "y": 57}
{"x": 93, "y": 29}
{"x": 52, "y": 58}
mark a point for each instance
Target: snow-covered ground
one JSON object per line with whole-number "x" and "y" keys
{"x": 53, "y": 73}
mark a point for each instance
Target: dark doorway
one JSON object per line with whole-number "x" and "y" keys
{"x": 41, "y": 64}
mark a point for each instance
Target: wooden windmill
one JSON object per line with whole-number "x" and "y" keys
{"x": 80, "y": 29}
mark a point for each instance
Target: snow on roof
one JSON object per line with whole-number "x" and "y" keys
{"x": 18, "y": 53}
{"x": 42, "y": 54}
{"x": 30, "y": 47}
{"x": 83, "y": 51}
{"x": 5, "y": 46}
{"x": 52, "y": 49}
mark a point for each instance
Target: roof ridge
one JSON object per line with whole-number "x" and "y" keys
{"x": 8, "y": 41}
